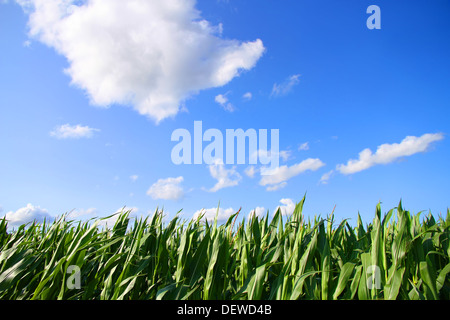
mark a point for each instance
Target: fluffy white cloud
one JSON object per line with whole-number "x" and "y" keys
{"x": 167, "y": 189}
{"x": 67, "y": 131}
{"x": 152, "y": 55}
{"x": 27, "y": 214}
{"x": 287, "y": 207}
{"x": 285, "y": 87}
{"x": 225, "y": 177}
{"x": 276, "y": 178}
{"x": 210, "y": 214}
{"x": 134, "y": 177}
{"x": 387, "y": 153}
{"x": 222, "y": 99}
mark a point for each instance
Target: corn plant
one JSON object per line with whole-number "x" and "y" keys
{"x": 397, "y": 256}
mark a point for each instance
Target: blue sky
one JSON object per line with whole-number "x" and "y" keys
{"x": 91, "y": 94}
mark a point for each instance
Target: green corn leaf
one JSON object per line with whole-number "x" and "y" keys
{"x": 441, "y": 278}
{"x": 429, "y": 279}
{"x": 344, "y": 277}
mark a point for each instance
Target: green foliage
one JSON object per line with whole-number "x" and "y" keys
{"x": 395, "y": 257}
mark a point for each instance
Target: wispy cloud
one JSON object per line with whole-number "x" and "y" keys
{"x": 285, "y": 154}
{"x": 387, "y": 153}
{"x": 210, "y": 214}
{"x": 250, "y": 171}
{"x": 276, "y": 187}
{"x": 167, "y": 189}
{"x": 67, "y": 131}
{"x": 285, "y": 87}
{"x": 325, "y": 177}
{"x": 78, "y": 213}
{"x": 276, "y": 178}
{"x": 304, "y": 146}
{"x": 248, "y": 96}
{"x": 265, "y": 156}
{"x": 223, "y": 101}
{"x": 225, "y": 177}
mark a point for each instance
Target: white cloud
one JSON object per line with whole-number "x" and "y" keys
{"x": 285, "y": 154}
{"x": 108, "y": 223}
{"x": 250, "y": 171}
{"x": 225, "y": 177}
{"x": 210, "y": 214}
{"x": 133, "y": 210}
{"x": 134, "y": 177}
{"x": 258, "y": 212}
{"x": 265, "y": 156}
{"x": 325, "y": 177}
{"x": 152, "y": 55}
{"x": 285, "y": 87}
{"x": 27, "y": 214}
{"x": 276, "y": 187}
{"x": 387, "y": 153}
{"x": 78, "y": 213}
{"x": 276, "y": 178}
{"x": 304, "y": 146}
{"x": 167, "y": 189}
{"x": 66, "y": 131}
{"x": 248, "y": 96}
{"x": 287, "y": 207}
{"x": 222, "y": 99}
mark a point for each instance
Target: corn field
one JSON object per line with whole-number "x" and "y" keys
{"x": 397, "y": 256}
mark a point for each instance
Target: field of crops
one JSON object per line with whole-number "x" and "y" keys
{"x": 398, "y": 255}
